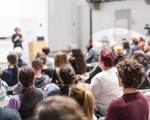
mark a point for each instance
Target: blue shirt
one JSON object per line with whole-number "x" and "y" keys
{"x": 21, "y": 63}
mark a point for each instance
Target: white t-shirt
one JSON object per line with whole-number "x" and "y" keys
{"x": 105, "y": 88}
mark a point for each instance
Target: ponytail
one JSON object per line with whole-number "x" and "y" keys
{"x": 15, "y": 71}
{"x": 29, "y": 93}
{"x": 88, "y": 104}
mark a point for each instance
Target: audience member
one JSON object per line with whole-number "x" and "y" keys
{"x": 78, "y": 62}
{"x": 67, "y": 78}
{"x": 18, "y": 51}
{"x": 147, "y": 49}
{"x": 29, "y": 97}
{"x": 133, "y": 105}
{"x": 112, "y": 45}
{"x": 10, "y": 75}
{"x": 49, "y": 61}
{"x": 59, "y": 108}
{"x": 141, "y": 43}
{"x": 141, "y": 58}
{"x": 48, "y": 70}
{"x": 94, "y": 53}
{"x": 82, "y": 94}
{"x": 104, "y": 85}
{"x": 60, "y": 59}
{"x": 135, "y": 45}
{"x": 6, "y": 114}
{"x": 118, "y": 50}
{"x": 126, "y": 47}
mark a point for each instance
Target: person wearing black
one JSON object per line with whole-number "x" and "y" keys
{"x": 67, "y": 77}
{"x": 17, "y": 38}
{"x": 135, "y": 45}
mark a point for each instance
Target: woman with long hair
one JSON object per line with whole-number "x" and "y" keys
{"x": 60, "y": 59}
{"x": 82, "y": 94}
{"x": 29, "y": 96}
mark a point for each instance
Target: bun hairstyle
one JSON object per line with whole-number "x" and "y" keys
{"x": 16, "y": 29}
{"x": 82, "y": 94}
{"x": 12, "y": 58}
{"x": 26, "y": 77}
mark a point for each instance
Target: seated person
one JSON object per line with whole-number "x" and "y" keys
{"x": 147, "y": 49}
{"x": 82, "y": 94}
{"x": 67, "y": 78}
{"x": 133, "y": 105}
{"x": 104, "y": 85}
{"x": 126, "y": 47}
{"x": 94, "y": 53}
{"x": 21, "y": 63}
{"x": 3, "y": 91}
{"x": 59, "y": 108}
{"x": 118, "y": 50}
{"x": 49, "y": 61}
{"x": 25, "y": 102}
{"x": 10, "y": 75}
{"x": 134, "y": 45}
{"x": 48, "y": 70}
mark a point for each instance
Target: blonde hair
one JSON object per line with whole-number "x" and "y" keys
{"x": 84, "y": 97}
{"x": 60, "y": 59}
{"x": 118, "y": 49}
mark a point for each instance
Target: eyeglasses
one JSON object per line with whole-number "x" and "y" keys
{"x": 117, "y": 73}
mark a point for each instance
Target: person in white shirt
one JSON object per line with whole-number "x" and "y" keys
{"x": 104, "y": 85}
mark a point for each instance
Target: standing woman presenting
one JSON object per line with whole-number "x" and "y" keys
{"x": 17, "y": 38}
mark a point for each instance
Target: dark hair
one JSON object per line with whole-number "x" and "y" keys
{"x": 12, "y": 58}
{"x": 126, "y": 45}
{"x": 59, "y": 108}
{"x": 26, "y": 77}
{"x": 67, "y": 74}
{"x": 17, "y": 28}
{"x": 79, "y": 61}
{"x": 124, "y": 39}
{"x": 135, "y": 41}
{"x": 131, "y": 73}
{"x": 140, "y": 56}
{"x": 148, "y": 73}
{"x": 42, "y": 56}
{"x": 37, "y": 63}
{"x": 46, "y": 50}
{"x": 148, "y": 42}
{"x": 108, "y": 58}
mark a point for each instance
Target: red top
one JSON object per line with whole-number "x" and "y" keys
{"x": 132, "y": 106}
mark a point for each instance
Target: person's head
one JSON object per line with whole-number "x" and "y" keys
{"x": 26, "y": 78}
{"x": 17, "y": 30}
{"x": 12, "y": 61}
{"x": 18, "y": 51}
{"x": 118, "y": 50}
{"x": 106, "y": 60}
{"x": 147, "y": 46}
{"x": 130, "y": 74}
{"x": 42, "y": 56}
{"x": 140, "y": 39}
{"x": 125, "y": 45}
{"x": 82, "y": 94}
{"x": 60, "y": 59}
{"x": 66, "y": 74}
{"x": 37, "y": 64}
{"x": 78, "y": 59}
{"x": 134, "y": 41}
{"x": 59, "y": 108}
{"x": 140, "y": 57}
{"x": 148, "y": 75}
{"x": 46, "y": 50}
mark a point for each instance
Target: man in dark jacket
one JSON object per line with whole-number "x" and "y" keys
{"x": 135, "y": 45}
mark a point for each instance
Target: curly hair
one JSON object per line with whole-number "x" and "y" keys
{"x": 79, "y": 61}
{"x": 131, "y": 73}
{"x": 140, "y": 57}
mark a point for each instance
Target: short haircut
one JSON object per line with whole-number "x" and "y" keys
{"x": 59, "y": 108}
{"x": 108, "y": 58}
{"x": 118, "y": 49}
{"x": 67, "y": 74}
{"x": 16, "y": 29}
{"x": 46, "y": 50}
{"x": 135, "y": 41}
{"x": 18, "y": 51}
{"x": 42, "y": 56}
{"x": 131, "y": 72}
{"x": 37, "y": 64}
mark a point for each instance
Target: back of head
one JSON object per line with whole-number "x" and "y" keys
{"x": 26, "y": 77}
{"x": 59, "y": 108}
{"x": 82, "y": 94}
{"x": 108, "y": 58}
{"x": 66, "y": 73}
{"x": 140, "y": 56}
{"x": 135, "y": 41}
{"x": 46, "y": 50}
{"x": 12, "y": 58}
{"x": 118, "y": 50}
{"x": 42, "y": 56}
{"x": 18, "y": 51}
{"x": 37, "y": 64}
{"x": 60, "y": 59}
{"x": 126, "y": 45}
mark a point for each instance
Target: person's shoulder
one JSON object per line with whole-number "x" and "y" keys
{"x": 5, "y": 71}
{"x": 54, "y": 92}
